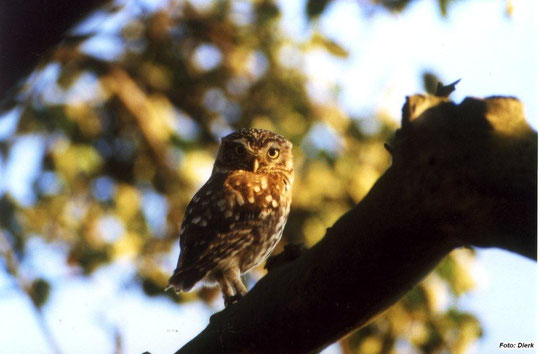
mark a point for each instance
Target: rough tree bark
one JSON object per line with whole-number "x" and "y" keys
{"x": 461, "y": 175}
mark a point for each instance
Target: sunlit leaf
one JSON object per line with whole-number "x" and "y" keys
{"x": 127, "y": 202}
{"x": 331, "y": 46}
{"x": 128, "y": 246}
{"x": 71, "y": 160}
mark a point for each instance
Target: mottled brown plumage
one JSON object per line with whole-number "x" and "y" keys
{"x": 237, "y": 217}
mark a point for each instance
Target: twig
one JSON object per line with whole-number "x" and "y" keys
{"x": 12, "y": 266}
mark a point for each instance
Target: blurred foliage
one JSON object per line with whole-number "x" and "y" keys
{"x": 314, "y": 8}
{"x": 130, "y": 130}
{"x": 430, "y": 82}
{"x": 39, "y": 291}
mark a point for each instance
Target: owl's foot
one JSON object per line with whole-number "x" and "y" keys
{"x": 232, "y": 299}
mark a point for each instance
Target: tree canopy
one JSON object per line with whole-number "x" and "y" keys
{"x": 125, "y": 114}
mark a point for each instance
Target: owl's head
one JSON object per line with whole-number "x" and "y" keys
{"x": 254, "y": 150}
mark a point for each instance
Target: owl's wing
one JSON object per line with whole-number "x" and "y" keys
{"x": 215, "y": 227}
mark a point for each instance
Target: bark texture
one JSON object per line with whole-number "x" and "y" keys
{"x": 461, "y": 175}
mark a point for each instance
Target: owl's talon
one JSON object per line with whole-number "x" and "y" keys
{"x": 232, "y": 299}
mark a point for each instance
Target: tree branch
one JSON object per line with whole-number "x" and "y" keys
{"x": 461, "y": 175}
{"x": 12, "y": 267}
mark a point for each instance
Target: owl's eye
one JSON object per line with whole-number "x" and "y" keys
{"x": 239, "y": 150}
{"x": 273, "y": 153}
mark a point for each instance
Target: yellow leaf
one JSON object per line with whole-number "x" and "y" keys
{"x": 73, "y": 159}
{"x": 318, "y": 40}
{"x": 128, "y": 246}
{"x": 197, "y": 166}
{"x": 127, "y": 202}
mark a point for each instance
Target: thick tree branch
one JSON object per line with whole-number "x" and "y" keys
{"x": 461, "y": 175}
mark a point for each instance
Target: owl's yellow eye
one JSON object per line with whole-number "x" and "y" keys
{"x": 239, "y": 150}
{"x": 273, "y": 153}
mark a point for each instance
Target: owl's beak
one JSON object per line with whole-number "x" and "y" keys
{"x": 255, "y": 165}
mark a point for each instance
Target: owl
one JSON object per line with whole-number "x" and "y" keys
{"x": 235, "y": 220}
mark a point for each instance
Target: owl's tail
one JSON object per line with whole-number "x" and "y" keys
{"x": 183, "y": 280}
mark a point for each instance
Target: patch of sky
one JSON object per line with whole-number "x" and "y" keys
{"x": 203, "y": 5}
{"x": 333, "y": 349}
{"x": 322, "y": 84}
{"x": 321, "y": 137}
{"x": 48, "y": 183}
{"x": 171, "y": 257}
{"x": 219, "y": 127}
{"x": 2, "y": 187}
{"x": 91, "y": 24}
{"x": 207, "y": 56}
{"x": 110, "y": 228}
{"x": 108, "y": 20}
{"x": 85, "y": 89}
{"x": 164, "y": 323}
{"x": 185, "y": 126}
{"x": 232, "y": 112}
{"x": 19, "y": 317}
{"x": 368, "y": 125}
{"x": 6, "y": 282}
{"x": 291, "y": 57}
{"x": 506, "y": 298}
{"x": 45, "y": 259}
{"x": 105, "y": 47}
{"x": 42, "y": 80}
{"x": 103, "y": 188}
{"x": 241, "y": 13}
{"x": 386, "y": 57}
{"x": 81, "y": 298}
{"x": 214, "y": 100}
{"x": 293, "y": 19}
{"x": 257, "y": 64}
{"x": 147, "y": 5}
{"x": 155, "y": 208}
{"x": 23, "y": 166}
{"x": 8, "y": 122}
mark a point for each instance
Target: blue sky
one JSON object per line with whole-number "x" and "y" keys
{"x": 388, "y": 53}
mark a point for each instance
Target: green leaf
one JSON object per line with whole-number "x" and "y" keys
{"x": 396, "y": 5}
{"x": 443, "y": 7}
{"x": 39, "y": 292}
{"x": 267, "y": 11}
{"x": 430, "y": 82}
{"x": 315, "y": 7}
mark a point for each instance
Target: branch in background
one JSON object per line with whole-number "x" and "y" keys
{"x": 12, "y": 267}
{"x": 461, "y": 175}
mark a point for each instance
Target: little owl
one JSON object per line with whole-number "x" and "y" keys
{"x": 236, "y": 219}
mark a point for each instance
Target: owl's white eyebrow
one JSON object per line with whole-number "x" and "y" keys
{"x": 271, "y": 142}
